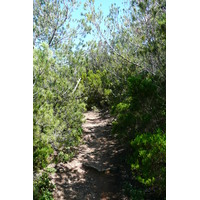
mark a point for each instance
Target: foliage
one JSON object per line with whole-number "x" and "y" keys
{"x": 50, "y": 170}
{"x": 42, "y": 188}
{"x": 51, "y": 22}
{"x": 95, "y": 91}
{"x": 124, "y": 71}
{"x": 64, "y": 157}
{"x": 143, "y": 109}
{"x": 140, "y": 118}
{"x": 41, "y": 153}
{"x": 148, "y": 160}
{"x": 137, "y": 36}
{"x": 57, "y": 111}
{"x": 132, "y": 193}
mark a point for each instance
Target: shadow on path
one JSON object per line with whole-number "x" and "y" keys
{"x": 95, "y": 172}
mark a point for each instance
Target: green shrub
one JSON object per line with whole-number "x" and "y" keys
{"x": 96, "y": 89}
{"x": 64, "y": 157}
{"x": 50, "y": 170}
{"x": 133, "y": 193}
{"x": 148, "y": 160}
{"x": 141, "y": 118}
{"x": 42, "y": 188}
{"x": 41, "y": 153}
{"x": 143, "y": 109}
{"x": 57, "y": 108}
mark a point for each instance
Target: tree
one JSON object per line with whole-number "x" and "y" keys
{"x": 57, "y": 107}
{"x": 137, "y": 36}
{"x": 51, "y": 22}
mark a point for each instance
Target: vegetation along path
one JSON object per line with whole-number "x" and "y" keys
{"x": 96, "y": 170}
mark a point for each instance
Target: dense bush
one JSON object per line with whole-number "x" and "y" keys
{"x": 57, "y": 108}
{"x": 140, "y": 118}
{"x": 64, "y": 157}
{"x": 148, "y": 161}
{"x": 41, "y": 152}
{"x": 96, "y": 88}
{"x": 124, "y": 70}
{"x": 132, "y": 193}
{"x": 143, "y": 109}
{"x": 42, "y": 188}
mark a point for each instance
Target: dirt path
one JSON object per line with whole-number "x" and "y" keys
{"x": 95, "y": 172}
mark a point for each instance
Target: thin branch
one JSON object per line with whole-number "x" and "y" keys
{"x": 76, "y": 85}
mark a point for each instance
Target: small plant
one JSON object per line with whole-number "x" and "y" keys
{"x": 94, "y": 108}
{"x": 41, "y": 153}
{"x": 148, "y": 161}
{"x": 134, "y": 194}
{"x": 50, "y": 170}
{"x": 64, "y": 157}
{"x": 43, "y": 188}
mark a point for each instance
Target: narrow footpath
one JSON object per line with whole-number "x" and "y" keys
{"x": 96, "y": 171}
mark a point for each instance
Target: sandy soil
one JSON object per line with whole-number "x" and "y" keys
{"x": 96, "y": 171}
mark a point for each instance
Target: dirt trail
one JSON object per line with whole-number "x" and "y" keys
{"x": 95, "y": 172}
